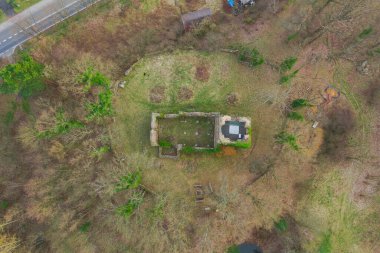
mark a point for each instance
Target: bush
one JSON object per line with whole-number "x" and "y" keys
{"x": 63, "y": 126}
{"x": 286, "y": 138}
{"x": 288, "y": 64}
{"x": 292, "y": 36}
{"x": 103, "y": 107}
{"x": 23, "y": 78}
{"x": 365, "y": 33}
{"x": 287, "y": 78}
{"x": 248, "y": 20}
{"x": 281, "y": 225}
{"x": 129, "y": 208}
{"x": 93, "y": 78}
{"x": 157, "y": 212}
{"x": 203, "y": 28}
{"x": 85, "y": 227}
{"x": 295, "y": 116}
{"x": 325, "y": 246}
{"x": 131, "y": 181}
{"x": 165, "y": 143}
{"x": 99, "y": 152}
{"x": 298, "y": 103}
{"x": 250, "y": 56}
{"x": 233, "y": 249}
{"x": 4, "y": 204}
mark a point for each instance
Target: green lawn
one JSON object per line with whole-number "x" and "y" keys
{"x": 20, "y": 5}
{"x": 189, "y": 131}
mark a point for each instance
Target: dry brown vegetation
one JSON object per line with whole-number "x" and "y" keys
{"x": 60, "y": 191}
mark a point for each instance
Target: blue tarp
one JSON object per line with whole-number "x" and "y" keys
{"x": 231, "y": 2}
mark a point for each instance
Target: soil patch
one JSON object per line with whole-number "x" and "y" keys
{"x": 228, "y": 151}
{"x": 157, "y": 94}
{"x": 202, "y": 74}
{"x": 275, "y": 240}
{"x": 185, "y": 94}
{"x": 340, "y": 123}
{"x": 372, "y": 94}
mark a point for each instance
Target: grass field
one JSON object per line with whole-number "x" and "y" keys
{"x": 189, "y": 131}
{"x": 172, "y": 73}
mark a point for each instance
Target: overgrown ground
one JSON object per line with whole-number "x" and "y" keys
{"x": 75, "y": 182}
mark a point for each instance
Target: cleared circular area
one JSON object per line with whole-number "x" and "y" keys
{"x": 225, "y": 209}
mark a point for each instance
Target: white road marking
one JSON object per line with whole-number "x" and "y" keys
{"x": 15, "y": 34}
{"x": 87, "y": 5}
{"x": 10, "y": 37}
{"x": 4, "y": 40}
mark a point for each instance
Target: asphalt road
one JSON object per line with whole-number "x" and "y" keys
{"x": 35, "y": 20}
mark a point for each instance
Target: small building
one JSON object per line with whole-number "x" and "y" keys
{"x": 193, "y": 18}
{"x": 197, "y": 131}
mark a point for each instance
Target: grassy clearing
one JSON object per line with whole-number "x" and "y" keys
{"x": 328, "y": 212}
{"x": 130, "y": 134}
{"x": 190, "y": 131}
{"x": 172, "y": 72}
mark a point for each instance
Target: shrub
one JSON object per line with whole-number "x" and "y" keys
{"x": 4, "y": 204}
{"x": 287, "y": 78}
{"x": 292, "y": 36}
{"x": 9, "y": 116}
{"x": 286, "y": 138}
{"x": 23, "y": 78}
{"x": 288, "y": 64}
{"x": 365, "y": 33}
{"x": 233, "y": 249}
{"x": 130, "y": 207}
{"x": 203, "y": 28}
{"x": 325, "y": 246}
{"x": 281, "y": 225}
{"x": 102, "y": 108}
{"x": 157, "y": 212}
{"x": 131, "y": 181}
{"x": 248, "y": 20}
{"x": 250, "y": 56}
{"x": 165, "y": 143}
{"x": 85, "y": 227}
{"x": 99, "y": 152}
{"x": 298, "y": 103}
{"x": 188, "y": 150}
{"x": 295, "y": 116}
{"x": 93, "y": 78}
{"x": 63, "y": 126}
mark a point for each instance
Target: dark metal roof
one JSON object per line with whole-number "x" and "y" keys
{"x": 234, "y": 137}
{"x": 188, "y": 18}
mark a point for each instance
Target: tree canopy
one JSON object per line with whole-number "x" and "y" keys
{"x": 23, "y": 78}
